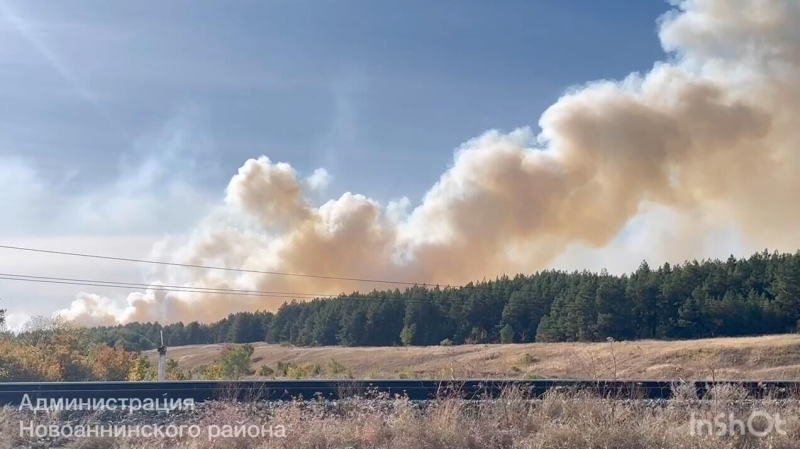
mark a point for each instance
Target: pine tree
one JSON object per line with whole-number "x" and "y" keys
{"x": 407, "y": 335}
{"x": 507, "y": 334}
{"x": 757, "y": 295}
{"x": 786, "y": 288}
{"x": 548, "y": 330}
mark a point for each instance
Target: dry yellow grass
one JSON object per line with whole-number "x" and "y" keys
{"x": 559, "y": 421}
{"x": 767, "y": 357}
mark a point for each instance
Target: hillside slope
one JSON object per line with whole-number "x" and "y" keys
{"x": 768, "y": 357}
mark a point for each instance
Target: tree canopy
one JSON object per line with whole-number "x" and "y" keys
{"x": 748, "y": 296}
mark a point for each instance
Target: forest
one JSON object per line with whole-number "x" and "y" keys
{"x": 712, "y": 298}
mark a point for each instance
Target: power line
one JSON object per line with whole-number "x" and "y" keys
{"x": 202, "y": 290}
{"x": 100, "y": 283}
{"x": 109, "y": 285}
{"x": 210, "y": 267}
{"x": 242, "y": 270}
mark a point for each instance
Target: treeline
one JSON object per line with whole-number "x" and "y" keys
{"x": 756, "y": 295}
{"x": 52, "y": 351}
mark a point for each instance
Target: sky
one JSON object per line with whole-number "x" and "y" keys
{"x": 122, "y": 122}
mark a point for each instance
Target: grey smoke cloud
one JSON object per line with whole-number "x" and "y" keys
{"x": 709, "y": 135}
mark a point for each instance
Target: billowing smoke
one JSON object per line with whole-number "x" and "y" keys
{"x": 710, "y": 135}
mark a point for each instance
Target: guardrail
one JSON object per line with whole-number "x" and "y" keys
{"x": 12, "y": 393}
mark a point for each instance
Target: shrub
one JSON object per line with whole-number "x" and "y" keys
{"x": 108, "y": 363}
{"x": 407, "y": 373}
{"x": 527, "y": 359}
{"x": 282, "y": 368}
{"x": 234, "y": 363}
{"x": 335, "y": 369}
{"x": 54, "y": 350}
{"x": 303, "y": 371}
{"x": 213, "y": 371}
{"x": 141, "y": 370}
{"x": 174, "y": 372}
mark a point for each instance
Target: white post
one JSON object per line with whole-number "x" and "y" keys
{"x": 162, "y": 360}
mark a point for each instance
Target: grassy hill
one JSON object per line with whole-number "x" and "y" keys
{"x": 767, "y": 357}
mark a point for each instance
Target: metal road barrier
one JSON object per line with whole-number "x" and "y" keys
{"x": 12, "y": 393}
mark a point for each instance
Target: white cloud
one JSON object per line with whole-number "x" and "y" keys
{"x": 319, "y": 180}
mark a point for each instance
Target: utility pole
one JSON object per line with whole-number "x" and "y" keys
{"x": 162, "y": 360}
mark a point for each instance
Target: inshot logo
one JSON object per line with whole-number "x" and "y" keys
{"x": 758, "y": 424}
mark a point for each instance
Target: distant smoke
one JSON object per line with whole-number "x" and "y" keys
{"x": 714, "y": 132}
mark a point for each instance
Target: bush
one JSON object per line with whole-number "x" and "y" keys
{"x": 446, "y": 342}
{"x": 407, "y": 373}
{"x": 281, "y": 368}
{"x": 335, "y": 369}
{"x": 303, "y": 371}
{"x": 527, "y": 359}
{"x": 108, "y": 363}
{"x": 141, "y": 370}
{"x": 212, "y": 372}
{"x": 266, "y": 371}
{"x": 54, "y": 350}
{"x": 174, "y": 372}
{"x": 233, "y": 364}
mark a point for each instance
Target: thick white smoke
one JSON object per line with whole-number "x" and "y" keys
{"x": 709, "y": 136}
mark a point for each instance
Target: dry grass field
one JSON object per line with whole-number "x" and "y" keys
{"x": 559, "y": 421}
{"x": 767, "y": 357}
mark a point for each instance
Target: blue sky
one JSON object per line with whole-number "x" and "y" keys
{"x": 380, "y": 93}
{"x": 160, "y": 102}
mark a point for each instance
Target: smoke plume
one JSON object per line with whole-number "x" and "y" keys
{"x": 710, "y": 135}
